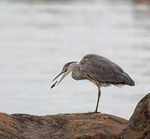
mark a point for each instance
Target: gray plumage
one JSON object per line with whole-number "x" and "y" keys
{"x": 99, "y": 70}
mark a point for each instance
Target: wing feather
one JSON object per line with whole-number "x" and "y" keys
{"x": 102, "y": 69}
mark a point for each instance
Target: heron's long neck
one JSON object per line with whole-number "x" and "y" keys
{"x": 74, "y": 66}
{"x": 76, "y": 73}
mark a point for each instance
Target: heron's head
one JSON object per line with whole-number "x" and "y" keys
{"x": 66, "y": 70}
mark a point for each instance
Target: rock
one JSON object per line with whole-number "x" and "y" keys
{"x": 78, "y": 126}
{"x": 142, "y": 1}
{"x": 64, "y": 126}
{"x": 139, "y": 123}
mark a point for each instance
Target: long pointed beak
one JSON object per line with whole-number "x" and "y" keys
{"x": 65, "y": 74}
{"x": 58, "y": 76}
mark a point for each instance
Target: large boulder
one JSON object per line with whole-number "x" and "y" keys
{"x": 61, "y": 126}
{"x": 139, "y": 123}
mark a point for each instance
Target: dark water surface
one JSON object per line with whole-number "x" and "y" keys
{"x": 38, "y": 38}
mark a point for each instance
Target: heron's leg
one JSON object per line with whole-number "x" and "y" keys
{"x": 99, "y": 94}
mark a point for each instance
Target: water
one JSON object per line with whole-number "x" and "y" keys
{"x": 38, "y": 38}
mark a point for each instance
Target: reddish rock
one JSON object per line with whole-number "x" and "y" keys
{"x": 142, "y": 1}
{"x": 64, "y": 126}
{"x": 78, "y": 126}
{"x": 139, "y": 123}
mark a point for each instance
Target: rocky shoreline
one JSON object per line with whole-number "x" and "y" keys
{"x": 78, "y": 125}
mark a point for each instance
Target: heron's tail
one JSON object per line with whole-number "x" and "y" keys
{"x": 127, "y": 80}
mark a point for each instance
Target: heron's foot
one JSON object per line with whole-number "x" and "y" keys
{"x": 97, "y": 112}
{"x": 93, "y": 112}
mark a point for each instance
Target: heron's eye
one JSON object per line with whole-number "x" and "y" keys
{"x": 64, "y": 69}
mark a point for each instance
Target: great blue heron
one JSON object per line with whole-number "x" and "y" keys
{"x": 97, "y": 69}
